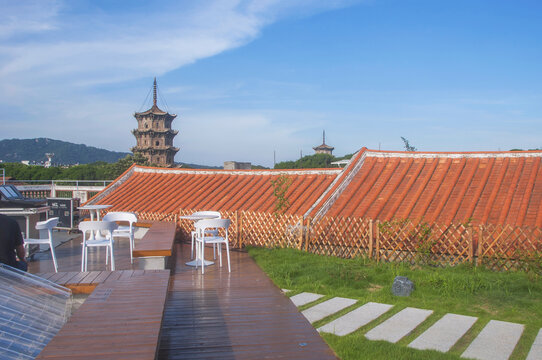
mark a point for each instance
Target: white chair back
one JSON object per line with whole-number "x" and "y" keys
{"x": 213, "y": 224}
{"x": 85, "y": 226}
{"x": 208, "y": 213}
{"x": 120, "y": 216}
{"x": 47, "y": 224}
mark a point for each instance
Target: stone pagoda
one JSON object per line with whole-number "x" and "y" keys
{"x": 323, "y": 149}
{"x": 154, "y": 135}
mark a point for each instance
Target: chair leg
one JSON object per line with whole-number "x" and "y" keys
{"x": 52, "y": 248}
{"x": 131, "y": 248}
{"x": 219, "y": 253}
{"x": 202, "y": 255}
{"x": 228, "y": 255}
{"x": 83, "y": 258}
{"x": 112, "y": 257}
{"x": 192, "y": 247}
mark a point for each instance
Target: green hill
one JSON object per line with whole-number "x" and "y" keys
{"x": 66, "y": 153}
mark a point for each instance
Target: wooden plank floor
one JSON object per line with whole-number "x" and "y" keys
{"x": 237, "y": 315}
{"x": 219, "y": 315}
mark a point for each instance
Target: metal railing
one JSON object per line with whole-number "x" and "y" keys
{"x": 81, "y": 189}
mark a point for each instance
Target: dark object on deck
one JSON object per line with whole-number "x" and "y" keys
{"x": 402, "y": 286}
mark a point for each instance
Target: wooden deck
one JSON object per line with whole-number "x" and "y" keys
{"x": 219, "y": 315}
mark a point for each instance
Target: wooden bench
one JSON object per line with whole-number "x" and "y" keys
{"x": 155, "y": 249}
{"x": 121, "y": 318}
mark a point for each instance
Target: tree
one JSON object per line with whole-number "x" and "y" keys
{"x": 408, "y": 147}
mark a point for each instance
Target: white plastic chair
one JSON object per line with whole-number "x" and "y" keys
{"x": 202, "y": 239}
{"x": 123, "y": 230}
{"x": 88, "y": 228}
{"x": 212, "y": 232}
{"x": 44, "y": 225}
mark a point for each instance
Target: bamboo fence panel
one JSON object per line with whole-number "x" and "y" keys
{"x": 270, "y": 230}
{"x": 505, "y": 247}
{"x": 345, "y": 237}
{"x": 498, "y": 247}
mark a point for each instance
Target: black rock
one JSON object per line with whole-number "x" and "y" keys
{"x": 402, "y": 286}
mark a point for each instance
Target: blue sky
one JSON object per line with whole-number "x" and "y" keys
{"x": 248, "y": 78}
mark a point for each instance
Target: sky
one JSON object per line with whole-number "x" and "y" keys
{"x": 260, "y": 80}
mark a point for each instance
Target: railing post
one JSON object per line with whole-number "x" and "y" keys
{"x": 53, "y": 189}
{"x": 370, "y": 238}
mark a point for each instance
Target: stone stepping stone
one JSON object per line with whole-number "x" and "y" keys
{"x": 399, "y": 325}
{"x": 496, "y": 341}
{"x": 443, "y": 334}
{"x": 331, "y": 306}
{"x": 304, "y": 298}
{"x": 355, "y": 319}
{"x": 536, "y": 349}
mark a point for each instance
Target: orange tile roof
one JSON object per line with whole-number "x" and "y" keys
{"x": 160, "y": 190}
{"x": 486, "y": 187}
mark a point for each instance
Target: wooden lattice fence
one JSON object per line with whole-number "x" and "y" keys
{"x": 496, "y": 247}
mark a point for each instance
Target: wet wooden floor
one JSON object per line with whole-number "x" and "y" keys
{"x": 218, "y": 315}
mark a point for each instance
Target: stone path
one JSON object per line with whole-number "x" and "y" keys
{"x": 355, "y": 319}
{"x": 536, "y": 349}
{"x": 399, "y": 325}
{"x": 497, "y": 340}
{"x": 329, "y": 307}
{"x": 444, "y": 333}
{"x": 305, "y": 298}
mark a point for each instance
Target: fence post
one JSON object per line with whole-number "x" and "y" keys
{"x": 240, "y": 231}
{"x": 370, "y": 238}
{"x": 471, "y": 244}
{"x": 301, "y": 231}
{"x": 480, "y": 244}
{"x": 378, "y": 240}
{"x": 308, "y": 234}
{"x": 237, "y": 228}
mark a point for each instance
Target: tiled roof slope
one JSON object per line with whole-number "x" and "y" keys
{"x": 490, "y": 187}
{"x": 159, "y": 190}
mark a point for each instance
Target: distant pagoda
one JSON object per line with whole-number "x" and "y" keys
{"x": 154, "y": 135}
{"x": 324, "y": 149}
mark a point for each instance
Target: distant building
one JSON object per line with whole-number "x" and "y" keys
{"x": 235, "y": 165}
{"x": 154, "y": 135}
{"x": 324, "y": 149}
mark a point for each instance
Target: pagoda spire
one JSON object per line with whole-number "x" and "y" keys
{"x": 324, "y": 137}
{"x": 154, "y": 92}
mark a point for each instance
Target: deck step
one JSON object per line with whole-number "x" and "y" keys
{"x": 329, "y": 307}
{"x": 496, "y": 341}
{"x": 443, "y": 334}
{"x": 399, "y": 325}
{"x": 305, "y": 298}
{"x": 355, "y": 319}
{"x": 536, "y": 349}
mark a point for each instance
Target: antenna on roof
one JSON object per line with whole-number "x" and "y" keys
{"x": 154, "y": 92}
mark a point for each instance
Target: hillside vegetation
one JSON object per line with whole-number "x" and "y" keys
{"x": 66, "y": 153}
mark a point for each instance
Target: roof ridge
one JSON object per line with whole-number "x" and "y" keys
{"x": 157, "y": 170}
{"x": 456, "y": 154}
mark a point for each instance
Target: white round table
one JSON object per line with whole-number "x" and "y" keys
{"x": 197, "y": 218}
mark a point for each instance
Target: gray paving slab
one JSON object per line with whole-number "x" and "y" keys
{"x": 355, "y": 319}
{"x": 443, "y": 334}
{"x": 536, "y": 348}
{"x": 496, "y": 341}
{"x": 399, "y": 325}
{"x": 326, "y": 308}
{"x": 305, "y": 298}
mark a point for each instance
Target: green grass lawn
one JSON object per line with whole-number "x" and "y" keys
{"x": 465, "y": 290}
